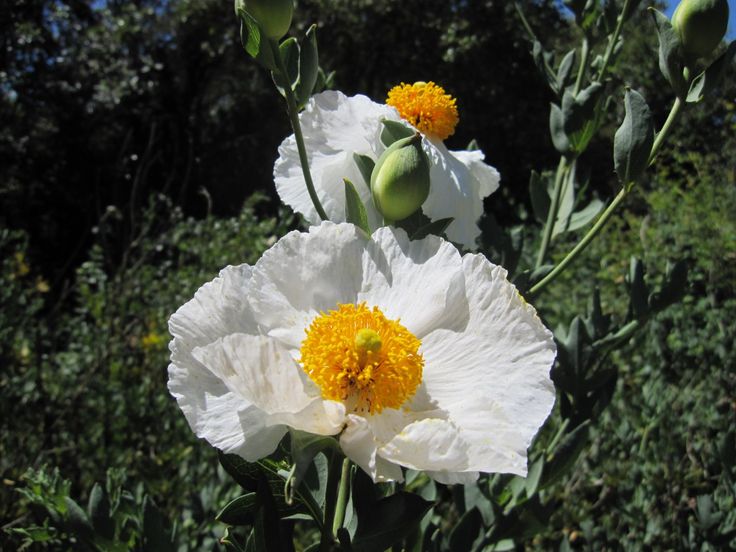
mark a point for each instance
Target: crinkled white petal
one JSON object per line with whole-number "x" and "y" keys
{"x": 336, "y": 127}
{"x": 420, "y": 282}
{"x": 493, "y": 377}
{"x": 459, "y": 182}
{"x": 305, "y": 274}
{"x": 428, "y": 444}
{"x": 262, "y": 373}
{"x": 358, "y": 443}
{"x": 485, "y": 391}
{"x": 218, "y": 308}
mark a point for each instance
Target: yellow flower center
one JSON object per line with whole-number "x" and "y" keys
{"x": 357, "y": 356}
{"x": 426, "y": 106}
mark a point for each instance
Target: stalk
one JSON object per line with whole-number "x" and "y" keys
{"x": 296, "y": 126}
{"x": 342, "y": 496}
{"x": 612, "y": 41}
{"x": 601, "y": 222}
{"x": 553, "y": 210}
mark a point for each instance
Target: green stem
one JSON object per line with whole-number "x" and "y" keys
{"x": 331, "y": 494}
{"x": 553, "y": 210}
{"x": 601, "y": 222}
{"x": 342, "y": 496}
{"x": 580, "y": 247}
{"x": 524, "y": 22}
{"x": 584, "y": 56}
{"x": 296, "y": 126}
{"x": 612, "y": 42}
{"x": 662, "y": 134}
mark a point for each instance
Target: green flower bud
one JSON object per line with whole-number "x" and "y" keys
{"x": 700, "y": 25}
{"x": 273, "y": 16}
{"x": 400, "y": 179}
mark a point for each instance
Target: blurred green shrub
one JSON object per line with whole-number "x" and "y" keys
{"x": 658, "y": 475}
{"x": 84, "y": 381}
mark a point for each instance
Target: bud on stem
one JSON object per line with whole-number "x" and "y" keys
{"x": 400, "y": 179}
{"x": 700, "y": 25}
{"x": 273, "y": 16}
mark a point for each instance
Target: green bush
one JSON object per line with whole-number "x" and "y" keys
{"x": 84, "y": 385}
{"x": 657, "y": 475}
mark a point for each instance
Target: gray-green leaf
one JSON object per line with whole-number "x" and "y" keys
{"x": 393, "y": 131}
{"x": 365, "y": 166}
{"x": 671, "y": 58}
{"x": 308, "y": 67}
{"x": 289, "y": 52}
{"x": 706, "y": 83}
{"x": 557, "y": 130}
{"x": 253, "y": 41}
{"x": 355, "y": 212}
{"x": 634, "y": 139}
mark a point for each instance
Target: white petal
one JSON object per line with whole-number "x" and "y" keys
{"x": 218, "y": 308}
{"x": 419, "y": 282}
{"x": 358, "y": 443}
{"x": 305, "y": 274}
{"x": 429, "y": 444}
{"x": 487, "y": 178}
{"x": 493, "y": 378}
{"x": 235, "y": 427}
{"x": 334, "y": 127}
{"x": 263, "y": 374}
{"x": 222, "y": 417}
{"x": 454, "y": 478}
{"x": 460, "y": 181}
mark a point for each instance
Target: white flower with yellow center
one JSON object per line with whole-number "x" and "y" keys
{"x": 336, "y": 127}
{"x": 409, "y": 353}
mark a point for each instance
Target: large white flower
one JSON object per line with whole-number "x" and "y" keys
{"x": 411, "y": 354}
{"x": 336, "y": 127}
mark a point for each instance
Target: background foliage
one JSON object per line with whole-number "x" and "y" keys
{"x": 133, "y": 132}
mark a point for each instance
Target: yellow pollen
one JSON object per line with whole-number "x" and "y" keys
{"x": 356, "y": 355}
{"x": 426, "y": 106}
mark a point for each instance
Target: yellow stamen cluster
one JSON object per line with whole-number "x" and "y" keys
{"x": 357, "y": 356}
{"x": 427, "y": 107}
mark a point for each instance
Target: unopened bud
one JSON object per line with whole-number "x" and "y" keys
{"x": 400, "y": 179}
{"x": 700, "y": 25}
{"x": 273, "y": 16}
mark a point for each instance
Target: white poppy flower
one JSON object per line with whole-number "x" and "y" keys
{"x": 336, "y": 126}
{"x": 409, "y": 353}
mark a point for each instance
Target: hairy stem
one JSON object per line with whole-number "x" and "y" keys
{"x": 342, "y": 496}
{"x": 612, "y": 41}
{"x": 584, "y": 56}
{"x": 553, "y": 210}
{"x": 296, "y": 126}
{"x": 601, "y": 222}
{"x": 334, "y": 477}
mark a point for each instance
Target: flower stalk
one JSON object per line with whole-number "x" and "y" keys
{"x": 613, "y": 40}
{"x": 334, "y": 477}
{"x": 601, "y": 222}
{"x": 554, "y": 208}
{"x": 343, "y": 494}
{"x": 293, "y": 111}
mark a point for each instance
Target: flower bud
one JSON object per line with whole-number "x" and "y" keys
{"x": 273, "y": 16}
{"x": 700, "y": 25}
{"x": 400, "y": 179}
